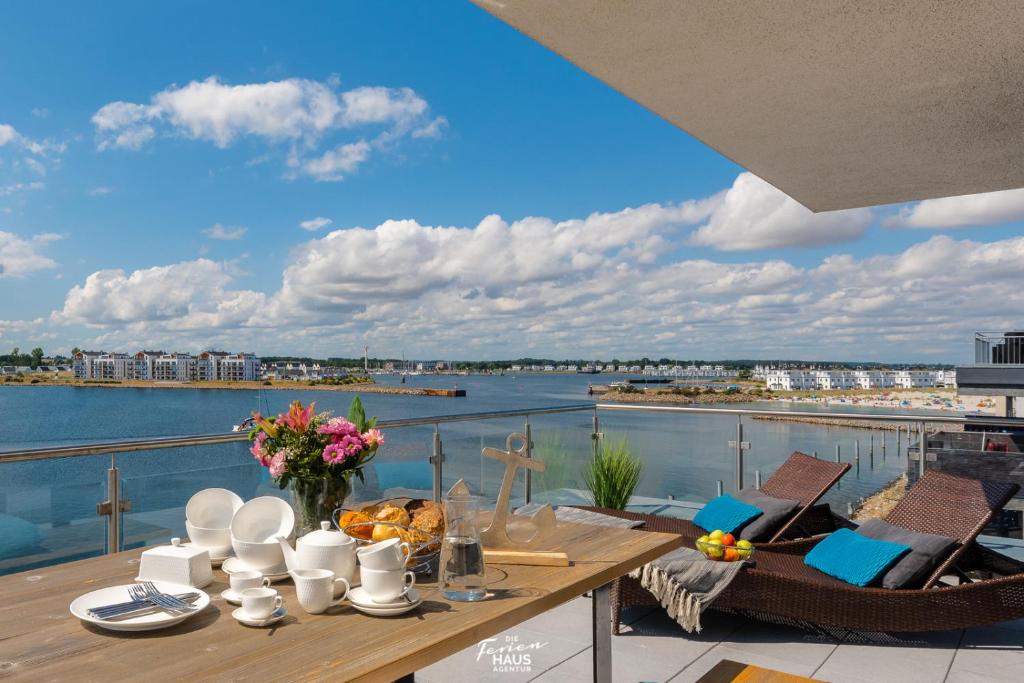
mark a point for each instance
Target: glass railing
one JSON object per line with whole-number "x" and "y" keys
{"x": 67, "y": 503}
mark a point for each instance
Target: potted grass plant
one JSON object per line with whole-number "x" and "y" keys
{"x": 613, "y": 474}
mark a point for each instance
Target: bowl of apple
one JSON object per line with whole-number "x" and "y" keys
{"x": 723, "y": 547}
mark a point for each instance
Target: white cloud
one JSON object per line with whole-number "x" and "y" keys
{"x": 225, "y": 232}
{"x": 21, "y": 256}
{"x": 183, "y": 295}
{"x": 314, "y": 224}
{"x": 41, "y": 112}
{"x": 16, "y": 188}
{"x": 296, "y": 111}
{"x": 987, "y": 208}
{"x": 100, "y": 191}
{"x": 434, "y": 129}
{"x": 755, "y": 215}
{"x": 39, "y": 154}
{"x": 618, "y": 283}
{"x": 7, "y": 134}
{"x": 336, "y": 163}
{"x": 35, "y": 166}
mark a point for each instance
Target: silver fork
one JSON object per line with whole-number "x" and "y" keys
{"x": 152, "y": 590}
{"x": 167, "y": 602}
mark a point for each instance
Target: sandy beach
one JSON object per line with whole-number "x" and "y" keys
{"x": 898, "y": 399}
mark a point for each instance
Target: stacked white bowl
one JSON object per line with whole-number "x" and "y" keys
{"x": 208, "y": 516}
{"x": 255, "y": 528}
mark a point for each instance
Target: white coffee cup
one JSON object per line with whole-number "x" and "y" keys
{"x": 315, "y": 588}
{"x": 247, "y": 579}
{"x": 389, "y": 554}
{"x": 386, "y": 585}
{"x": 260, "y": 603}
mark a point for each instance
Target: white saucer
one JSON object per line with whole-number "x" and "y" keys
{"x": 240, "y": 616}
{"x": 360, "y": 600}
{"x": 231, "y": 596}
{"x": 233, "y": 564}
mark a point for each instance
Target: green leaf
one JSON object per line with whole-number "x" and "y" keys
{"x": 356, "y": 414}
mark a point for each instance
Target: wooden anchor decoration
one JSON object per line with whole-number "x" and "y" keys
{"x": 544, "y": 522}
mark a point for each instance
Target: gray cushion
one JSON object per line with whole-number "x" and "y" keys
{"x": 776, "y": 511}
{"x": 926, "y": 551}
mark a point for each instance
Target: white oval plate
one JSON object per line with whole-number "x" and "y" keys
{"x": 360, "y": 600}
{"x": 145, "y": 622}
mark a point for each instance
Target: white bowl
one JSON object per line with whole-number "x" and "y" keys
{"x": 262, "y": 520}
{"x": 212, "y": 508}
{"x": 212, "y": 539}
{"x": 259, "y": 556}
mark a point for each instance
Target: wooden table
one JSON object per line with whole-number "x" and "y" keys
{"x": 40, "y": 640}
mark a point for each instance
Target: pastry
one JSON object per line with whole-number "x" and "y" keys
{"x": 382, "y": 532}
{"x": 392, "y": 513}
{"x": 364, "y": 529}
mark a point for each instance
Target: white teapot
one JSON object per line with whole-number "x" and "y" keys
{"x": 323, "y": 549}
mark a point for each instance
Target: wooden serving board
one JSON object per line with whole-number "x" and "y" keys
{"x": 535, "y": 558}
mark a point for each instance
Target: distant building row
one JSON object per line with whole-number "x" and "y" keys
{"x": 650, "y": 370}
{"x": 795, "y": 380}
{"x": 167, "y": 367}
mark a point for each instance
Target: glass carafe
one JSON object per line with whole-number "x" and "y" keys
{"x": 462, "y": 555}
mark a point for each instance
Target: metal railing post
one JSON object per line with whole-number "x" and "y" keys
{"x": 922, "y": 447}
{"x": 596, "y": 433}
{"x": 718, "y": 487}
{"x": 740, "y": 445}
{"x": 113, "y": 507}
{"x": 436, "y": 458}
{"x": 529, "y": 454}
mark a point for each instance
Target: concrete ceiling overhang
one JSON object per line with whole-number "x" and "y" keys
{"x": 838, "y": 104}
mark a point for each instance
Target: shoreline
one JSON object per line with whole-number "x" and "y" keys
{"x": 853, "y": 422}
{"x": 371, "y": 388}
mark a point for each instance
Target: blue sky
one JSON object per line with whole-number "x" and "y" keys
{"x": 156, "y": 165}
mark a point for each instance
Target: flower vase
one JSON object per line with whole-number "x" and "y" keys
{"x": 315, "y": 500}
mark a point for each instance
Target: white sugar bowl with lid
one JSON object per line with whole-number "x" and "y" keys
{"x": 176, "y": 563}
{"x": 329, "y": 549}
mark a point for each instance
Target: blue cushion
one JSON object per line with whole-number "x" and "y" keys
{"x": 725, "y": 513}
{"x": 853, "y": 558}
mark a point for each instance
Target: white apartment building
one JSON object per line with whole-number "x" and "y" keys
{"x": 908, "y": 379}
{"x": 872, "y": 379}
{"x": 81, "y": 365}
{"x": 791, "y": 380}
{"x": 174, "y": 367}
{"x": 239, "y": 367}
{"x": 112, "y": 366}
{"x": 796, "y": 380}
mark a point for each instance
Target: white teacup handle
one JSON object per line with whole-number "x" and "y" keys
{"x": 265, "y": 582}
{"x": 343, "y": 595}
{"x": 278, "y": 602}
{"x": 405, "y": 548}
{"x": 412, "y": 582}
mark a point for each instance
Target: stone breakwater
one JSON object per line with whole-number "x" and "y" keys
{"x": 248, "y": 386}
{"x": 850, "y": 422}
{"x": 666, "y": 397}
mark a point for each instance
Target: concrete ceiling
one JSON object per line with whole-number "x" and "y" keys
{"x": 838, "y": 104}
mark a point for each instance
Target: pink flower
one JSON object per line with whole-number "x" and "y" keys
{"x": 257, "y": 449}
{"x": 373, "y": 437}
{"x": 342, "y": 448}
{"x": 279, "y": 463}
{"x": 337, "y": 427}
{"x": 297, "y": 418}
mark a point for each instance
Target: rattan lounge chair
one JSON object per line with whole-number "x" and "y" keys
{"x": 801, "y": 478}
{"x": 780, "y": 587}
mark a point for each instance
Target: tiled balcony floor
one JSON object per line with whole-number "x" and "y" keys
{"x": 654, "y": 648}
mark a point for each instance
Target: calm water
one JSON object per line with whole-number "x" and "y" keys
{"x": 684, "y": 455}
